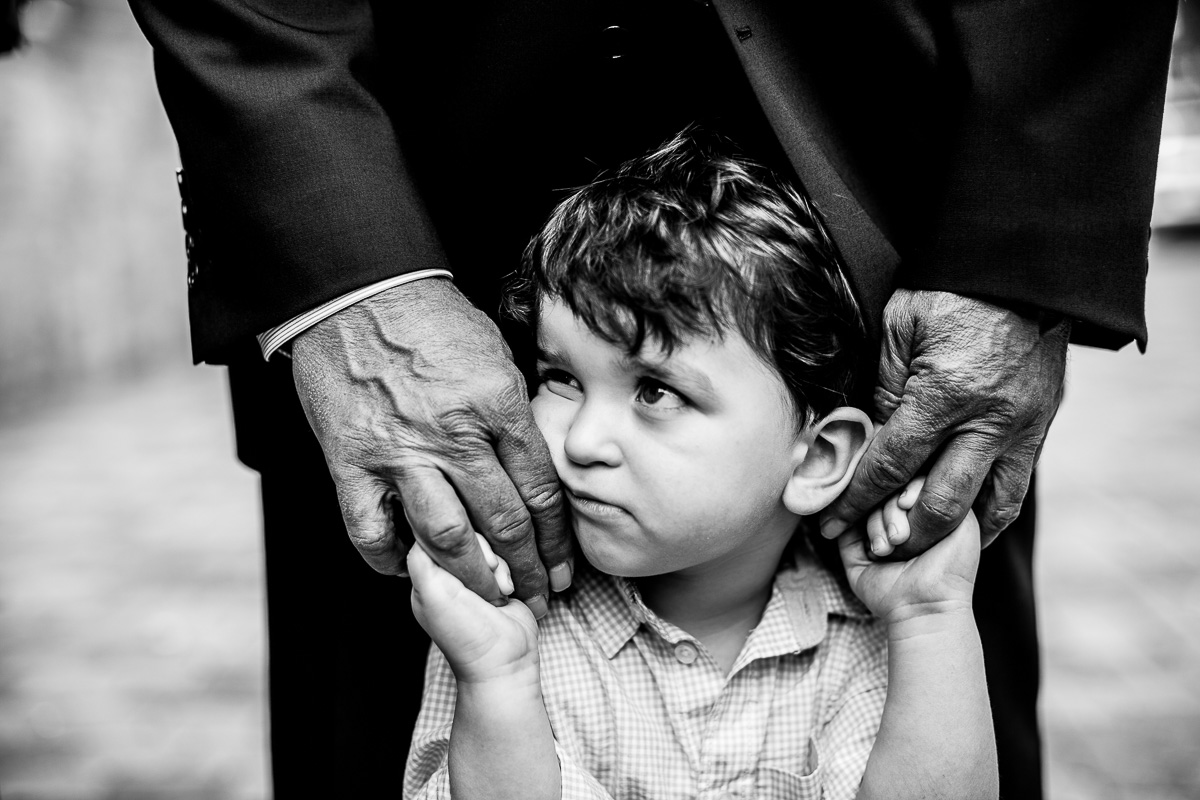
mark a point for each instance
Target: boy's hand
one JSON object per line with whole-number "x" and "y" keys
{"x": 940, "y": 579}
{"x": 887, "y": 526}
{"x": 480, "y": 641}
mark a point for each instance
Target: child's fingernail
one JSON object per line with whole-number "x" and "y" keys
{"x": 831, "y": 528}
{"x": 560, "y": 577}
{"x": 893, "y": 533}
{"x": 538, "y": 606}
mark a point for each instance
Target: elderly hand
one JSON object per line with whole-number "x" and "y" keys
{"x": 967, "y": 389}
{"x": 413, "y": 395}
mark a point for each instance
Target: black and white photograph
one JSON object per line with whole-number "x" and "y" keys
{"x": 599, "y": 400}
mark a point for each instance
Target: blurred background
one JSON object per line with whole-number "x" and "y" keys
{"x": 131, "y": 618}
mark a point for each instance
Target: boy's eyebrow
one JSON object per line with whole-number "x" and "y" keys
{"x": 548, "y": 354}
{"x": 672, "y": 371}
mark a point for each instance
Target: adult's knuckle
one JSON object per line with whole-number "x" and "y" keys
{"x": 1003, "y": 514}
{"x": 508, "y": 527}
{"x": 543, "y": 496}
{"x": 504, "y": 399}
{"x": 886, "y": 402}
{"x": 943, "y": 508}
{"x": 886, "y": 471}
{"x": 447, "y": 537}
{"x": 458, "y": 432}
{"x": 373, "y": 544}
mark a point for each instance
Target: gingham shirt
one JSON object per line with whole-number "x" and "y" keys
{"x": 640, "y": 710}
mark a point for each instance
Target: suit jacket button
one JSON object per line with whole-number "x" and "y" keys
{"x": 615, "y": 42}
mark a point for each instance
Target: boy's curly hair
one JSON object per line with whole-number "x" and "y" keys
{"x": 695, "y": 239}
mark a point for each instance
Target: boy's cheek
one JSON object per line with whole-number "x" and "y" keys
{"x": 538, "y": 406}
{"x": 546, "y": 417}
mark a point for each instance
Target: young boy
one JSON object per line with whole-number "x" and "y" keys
{"x": 697, "y": 345}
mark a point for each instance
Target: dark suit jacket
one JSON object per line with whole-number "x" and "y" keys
{"x": 1003, "y": 150}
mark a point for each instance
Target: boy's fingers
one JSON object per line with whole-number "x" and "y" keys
{"x": 504, "y": 578}
{"x": 852, "y": 548}
{"x": 489, "y": 556}
{"x": 426, "y": 575}
{"x": 908, "y": 497}
{"x": 419, "y": 565}
{"x": 877, "y": 534}
{"x": 499, "y": 567}
{"x": 895, "y": 521}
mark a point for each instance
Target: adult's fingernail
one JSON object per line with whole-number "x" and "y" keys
{"x": 538, "y": 606}
{"x": 560, "y": 577}
{"x": 832, "y": 527}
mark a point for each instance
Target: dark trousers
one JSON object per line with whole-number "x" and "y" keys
{"x": 347, "y": 658}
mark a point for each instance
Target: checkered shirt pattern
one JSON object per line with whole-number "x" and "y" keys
{"x": 640, "y": 710}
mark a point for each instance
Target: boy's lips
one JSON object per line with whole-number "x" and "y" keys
{"x": 591, "y": 506}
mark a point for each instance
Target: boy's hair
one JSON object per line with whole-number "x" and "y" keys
{"x": 695, "y": 239}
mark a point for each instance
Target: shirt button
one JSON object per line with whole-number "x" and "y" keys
{"x": 686, "y": 653}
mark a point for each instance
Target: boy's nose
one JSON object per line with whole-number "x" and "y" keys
{"x": 591, "y": 437}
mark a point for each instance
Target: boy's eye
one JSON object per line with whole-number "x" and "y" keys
{"x": 560, "y": 382}
{"x": 659, "y": 396}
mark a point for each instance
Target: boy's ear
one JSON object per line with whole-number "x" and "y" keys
{"x": 824, "y": 459}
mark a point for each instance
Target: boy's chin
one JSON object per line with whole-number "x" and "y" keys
{"x": 613, "y": 561}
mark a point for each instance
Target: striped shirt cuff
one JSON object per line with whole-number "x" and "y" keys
{"x": 271, "y": 340}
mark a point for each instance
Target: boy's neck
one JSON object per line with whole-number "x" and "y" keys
{"x": 719, "y": 603}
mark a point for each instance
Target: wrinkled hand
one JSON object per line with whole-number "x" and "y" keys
{"x": 970, "y": 388}
{"x": 413, "y": 395}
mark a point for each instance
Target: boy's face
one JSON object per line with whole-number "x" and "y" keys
{"x": 669, "y": 462}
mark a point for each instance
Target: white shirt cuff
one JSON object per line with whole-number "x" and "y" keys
{"x": 271, "y": 340}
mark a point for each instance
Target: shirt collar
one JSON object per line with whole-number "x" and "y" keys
{"x": 809, "y": 595}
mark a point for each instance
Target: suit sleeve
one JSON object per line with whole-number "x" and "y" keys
{"x": 1050, "y": 178}
{"x": 297, "y": 189}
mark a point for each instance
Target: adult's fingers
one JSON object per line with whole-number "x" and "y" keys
{"x": 999, "y": 504}
{"x": 895, "y": 455}
{"x": 499, "y": 512}
{"x": 443, "y": 527}
{"x": 523, "y": 453}
{"x": 367, "y": 511}
{"x": 951, "y": 486}
{"x": 895, "y": 358}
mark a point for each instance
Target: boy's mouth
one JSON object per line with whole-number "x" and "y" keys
{"x": 594, "y": 507}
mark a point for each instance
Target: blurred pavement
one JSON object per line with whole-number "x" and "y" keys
{"x": 131, "y": 599}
